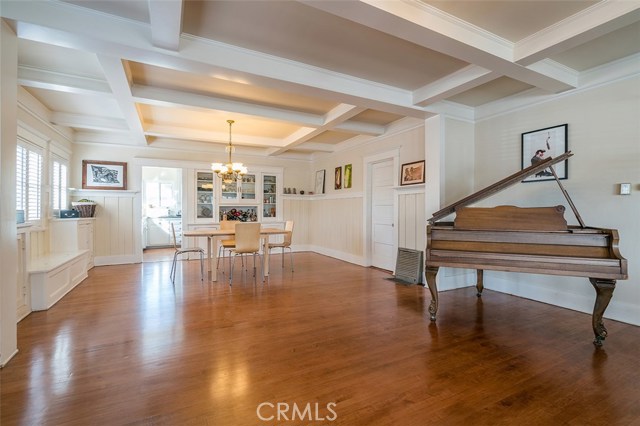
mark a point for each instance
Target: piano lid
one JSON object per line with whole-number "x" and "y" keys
{"x": 499, "y": 186}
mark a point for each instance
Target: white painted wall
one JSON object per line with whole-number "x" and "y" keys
{"x": 604, "y": 135}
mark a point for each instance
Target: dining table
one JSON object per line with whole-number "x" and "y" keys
{"x": 214, "y": 235}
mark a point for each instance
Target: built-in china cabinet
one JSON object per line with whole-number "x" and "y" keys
{"x": 255, "y": 198}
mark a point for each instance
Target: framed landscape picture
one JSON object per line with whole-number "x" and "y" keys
{"x": 541, "y": 144}
{"x": 412, "y": 173}
{"x": 104, "y": 175}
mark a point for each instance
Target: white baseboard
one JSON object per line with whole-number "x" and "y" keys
{"x": 5, "y": 361}
{"x": 579, "y": 299}
{"x": 116, "y": 260}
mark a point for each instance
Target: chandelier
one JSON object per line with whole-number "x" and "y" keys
{"x": 230, "y": 171}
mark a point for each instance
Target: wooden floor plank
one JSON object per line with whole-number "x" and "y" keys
{"x": 126, "y": 347}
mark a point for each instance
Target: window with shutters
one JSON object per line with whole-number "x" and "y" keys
{"x": 58, "y": 185}
{"x": 29, "y": 181}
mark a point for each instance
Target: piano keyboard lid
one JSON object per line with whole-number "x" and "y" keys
{"x": 499, "y": 186}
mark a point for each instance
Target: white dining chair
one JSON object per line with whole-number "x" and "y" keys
{"x": 286, "y": 243}
{"x": 180, "y": 251}
{"x": 228, "y": 244}
{"x": 247, "y": 242}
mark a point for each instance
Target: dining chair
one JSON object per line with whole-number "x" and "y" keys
{"x": 286, "y": 243}
{"x": 247, "y": 242}
{"x": 179, "y": 251}
{"x": 226, "y": 244}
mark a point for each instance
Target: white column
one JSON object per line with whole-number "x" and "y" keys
{"x": 8, "y": 235}
{"x": 434, "y": 128}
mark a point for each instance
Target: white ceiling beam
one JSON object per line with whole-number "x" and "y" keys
{"x": 166, "y": 23}
{"x": 89, "y": 137}
{"x": 48, "y": 22}
{"x": 69, "y": 83}
{"x": 462, "y": 80}
{"x": 316, "y": 147}
{"x": 589, "y": 24}
{"x": 119, "y": 80}
{"x": 334, "y": 117}
{"x": 78, "y": 121}
{"x": 429, "y": 27}
{"x": 174, "y": 98}
{"x": 221, "y": 138}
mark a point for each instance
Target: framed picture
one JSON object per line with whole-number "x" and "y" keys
{"x": 338, "y": 184}
{"x": 412, "y": 173}
{"x": 347, "y": 176}
{"x": 542, "y": 144}
{"x": 319, "y": 188}
{"x": 104, "y": 175}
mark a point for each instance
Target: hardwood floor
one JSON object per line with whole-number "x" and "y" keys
{"x": 332, "y": 343}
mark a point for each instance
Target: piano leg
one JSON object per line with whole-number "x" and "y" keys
{"x": 604, "y": 291}
{"x": 480, "y": 282}
{"x": 432, "y": 271}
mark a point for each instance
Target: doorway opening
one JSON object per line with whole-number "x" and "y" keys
{"x": 161, "y": 208}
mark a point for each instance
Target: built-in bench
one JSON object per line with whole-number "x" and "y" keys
{"x": 54, "y": 275}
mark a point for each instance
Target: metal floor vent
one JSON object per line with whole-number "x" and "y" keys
{"x": 409, "y": 266}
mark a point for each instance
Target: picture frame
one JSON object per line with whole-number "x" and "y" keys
{"x": 348, "y": 170}
{"x": 338, "y": 182}
{"x": 538, "y": 145}
{"x": 98, "y": 174}
{"x": 412, "y": 173}
{"x": 319, "y": 184}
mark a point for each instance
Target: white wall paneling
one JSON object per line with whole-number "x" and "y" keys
{"x": 118, "y": 227}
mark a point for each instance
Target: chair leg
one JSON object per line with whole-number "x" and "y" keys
{"x": 282, "y": 257}
{"x": 201, "y": 266}
{"x": 291, "y": 255}
{"x": 172, "y": 273}
{"x": 254, "y": 265}
{"x": 231, "y": 266}
{"x": 220, "y": 250}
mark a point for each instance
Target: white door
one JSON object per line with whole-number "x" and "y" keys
{"x": 383, "y": 244}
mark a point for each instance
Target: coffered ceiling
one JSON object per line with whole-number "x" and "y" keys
{"x": 301, "y": 78}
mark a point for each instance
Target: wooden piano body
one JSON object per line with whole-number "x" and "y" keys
{"x": 530, "y": 240}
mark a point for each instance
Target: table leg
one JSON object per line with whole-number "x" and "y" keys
{"x": 265, "y": 256}
{"x": 213, "y": 258}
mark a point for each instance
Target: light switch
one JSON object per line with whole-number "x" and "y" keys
{"x": 625, "y": 188}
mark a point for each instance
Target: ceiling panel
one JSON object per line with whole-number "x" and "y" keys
{"x": 610, "y": 47}
{"x": 149, "y": 75}
{"x": 331, "y": 137}
{"x": 59, "y": 59}
{"x": 297, "y": 32}
{"x": 491, "y": 91}
{"x": 95, "y": 106}
{"x": 512, "y": 20}
{"x": 216, "y": 122}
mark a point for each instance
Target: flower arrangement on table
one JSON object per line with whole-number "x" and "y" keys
{"x": 248, "y": 215}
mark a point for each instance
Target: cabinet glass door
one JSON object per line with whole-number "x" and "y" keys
{"x": 204, "y": 196}
{"x": 270, "y": 194}
{"x": 229, "y": 190}
{"x": 248, "y": 187}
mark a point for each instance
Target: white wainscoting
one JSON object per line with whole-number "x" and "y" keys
{"x": 117, "y": 233}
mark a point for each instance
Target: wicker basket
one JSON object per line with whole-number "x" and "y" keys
{"x": 85, "y": 209}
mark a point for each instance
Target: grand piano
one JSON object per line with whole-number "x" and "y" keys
{"x": 533, "y": 240}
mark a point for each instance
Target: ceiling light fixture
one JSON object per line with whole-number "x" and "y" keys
{"x": 230, "y": 171}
